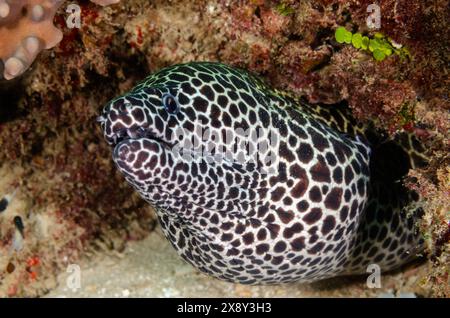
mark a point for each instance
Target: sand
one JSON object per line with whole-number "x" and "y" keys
{"x": 151, "y": 268}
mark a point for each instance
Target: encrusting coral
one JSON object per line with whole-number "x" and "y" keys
{"x": 26, "y": 28}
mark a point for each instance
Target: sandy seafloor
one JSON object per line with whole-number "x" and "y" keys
{"x": 151, "y": 268}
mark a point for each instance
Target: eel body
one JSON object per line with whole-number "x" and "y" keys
{"x": 253, "y": 185}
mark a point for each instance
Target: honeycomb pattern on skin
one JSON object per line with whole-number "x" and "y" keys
{"x": 26, "y": 28}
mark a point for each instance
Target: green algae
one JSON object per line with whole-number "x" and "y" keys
{"x": 380, "y": 46}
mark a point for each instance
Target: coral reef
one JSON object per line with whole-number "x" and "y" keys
{"x": 54, "y": 157}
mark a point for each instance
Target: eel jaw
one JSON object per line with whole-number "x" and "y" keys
{"x": 137, "y": 133}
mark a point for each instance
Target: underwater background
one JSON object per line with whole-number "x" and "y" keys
{"x": 63, "y": 202}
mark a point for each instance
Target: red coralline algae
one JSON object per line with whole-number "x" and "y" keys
{"x": 422, "y": 26}
{"x": 273, "y": 22}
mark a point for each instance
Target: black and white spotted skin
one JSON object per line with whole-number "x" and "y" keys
{"x": 322, "y": 213}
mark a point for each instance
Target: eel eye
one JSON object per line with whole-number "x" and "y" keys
{"x": 170, "y": 104}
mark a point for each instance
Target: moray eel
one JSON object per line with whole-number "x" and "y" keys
{"x": 323, "y": 199}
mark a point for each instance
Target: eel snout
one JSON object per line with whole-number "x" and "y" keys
{"x": 121, "y": 120}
